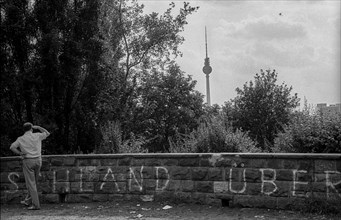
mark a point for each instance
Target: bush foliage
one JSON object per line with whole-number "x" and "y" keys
{"x": 311, "y": 133}
{"x": 213, "y": 135}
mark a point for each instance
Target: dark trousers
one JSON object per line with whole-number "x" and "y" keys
{"x": 31, "y": 169}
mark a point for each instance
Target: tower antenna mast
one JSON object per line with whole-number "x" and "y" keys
{"x": 207, "y": 69}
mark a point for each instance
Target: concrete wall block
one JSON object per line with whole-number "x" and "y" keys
{"x": 215, "y": 174}
{"x": 45, "y": 187}
{"x": 319, "y": 187}
{"x": 180, "y": 173}
{"x": 284, "y": 175}
{"x": 189, "y": 162}
{"x": 320, "y": 177}
{"x": 82, "y": 187}
{"x": 127, "y": 161}
{"x": 61, "y": 187}
{"x": 62, "y": 175}
{"x": 100, "y": 197}
{"x": 48, "y": 175}
{"x": 49, "y": 198}
{"x": 226, "y": 162}
{"x": 149, "y": 184}
{"x": 253, "y": 189}
{"x": 199, "y": 173}
{"x": 162, "y": 195}
{"x": 12, "y": 166}
{"x": 204, "y": 162}
{"x": 88, "y": 162}
{"x": 325, "y": 165}
{"x": 252, "y": 175}
{"x": 338, "y": 165}
{"x": 237, "y": 187}
{"x": 152, "y": 162}
{"x": 149, "y": 172}
{"x": 255, "y": 201}
{"x": 203, "y": 186}
{"x": 7, "y": 177}
{"x": 298, "y": 164}
{"x": 88, "y": 177}
{"x": 79, "y": 198}
{"x": 109, "y": 162}
{"x": 169, "y": 162}
{"x": 58, "y": 161}
{"x": 186, "y": 185}
{"x": 43, "y": 177}
{"x": 174, "y": 185}
{"x": 110, "y": 187}
{"x": 4, "y": 167}
{"x": 185, "y": 197}
{"x": 199, "y": 198}
{"x": 45, "y": 164}
{"x": 282, "y": 189}
{"x": 235, "y": 174}
{"x": 69, "y": 161}
{"x": 14, "y": 198}
{"x": 221, "y": 187}
{"x": 255, "y": 163}
{"x": 275, "y": 163}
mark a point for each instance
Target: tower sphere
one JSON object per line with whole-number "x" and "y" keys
{"x": 207, "y": 69}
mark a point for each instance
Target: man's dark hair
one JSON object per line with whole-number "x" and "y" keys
{"x": 27, "y": 126}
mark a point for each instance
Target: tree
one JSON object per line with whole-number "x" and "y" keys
{"x": 51, "y": 75}
{"x": 167, "y": 103}
{"x": 16, "y": 83}
{"x": 135, "y": 42}
{"x": 263, "y": 108}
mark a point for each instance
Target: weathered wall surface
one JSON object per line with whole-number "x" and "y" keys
{"x": 252, "y": 180}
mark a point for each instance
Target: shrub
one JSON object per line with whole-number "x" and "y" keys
{"x": 112, "y": 140}
{"x": 133, "y": 145}
{"x": 213, "y": 135}
{"x": 311, "y": 133}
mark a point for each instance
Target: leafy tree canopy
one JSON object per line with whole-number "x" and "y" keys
{"x": 263, "y": 107}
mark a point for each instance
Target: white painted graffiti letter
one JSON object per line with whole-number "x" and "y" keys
{"x": 132, "y": 176}
{"x": 271, "y": 181}
{"x": 13, "y": 182}
{"x": 330, "y": 184}
{"x": 158, "y": 188}
{"x": 64, "y": 185}
{"x": 295, "y": 182}
{"x": 105, "y": 179}
{"x": 81, "y": 183}
{"x": 244, "y": 183}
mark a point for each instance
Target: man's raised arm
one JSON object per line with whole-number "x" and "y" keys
{"x": 41, "y": 129}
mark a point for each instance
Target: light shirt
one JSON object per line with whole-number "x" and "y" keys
{"x": 30, "y": 143}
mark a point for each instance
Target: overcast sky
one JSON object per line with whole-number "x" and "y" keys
{"x": 300, "y": 39}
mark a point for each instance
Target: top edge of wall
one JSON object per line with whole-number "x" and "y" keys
{"x": 195, "y": 155}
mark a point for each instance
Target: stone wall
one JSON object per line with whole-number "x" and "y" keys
{"x": 249, "y": 180}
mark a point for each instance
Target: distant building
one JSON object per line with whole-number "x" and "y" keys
{"x": 323, "y": 108}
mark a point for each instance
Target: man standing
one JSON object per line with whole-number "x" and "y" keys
{"x": 30, "y": 151}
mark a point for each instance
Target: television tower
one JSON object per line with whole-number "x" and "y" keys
{"x": 207, "y": 69}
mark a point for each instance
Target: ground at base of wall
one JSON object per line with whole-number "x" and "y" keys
{"x": 146, "y": 210}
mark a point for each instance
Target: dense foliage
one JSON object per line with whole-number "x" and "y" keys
{"x": 101, "y": 77}
{"x": 313, "y": 132}
{"x": 75, "y": 66}
{"x": 263, "y": 108}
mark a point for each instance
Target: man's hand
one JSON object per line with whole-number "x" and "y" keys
{"x": 22, "y": 155}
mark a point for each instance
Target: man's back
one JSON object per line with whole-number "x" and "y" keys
{"x": 30, "y": 143}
